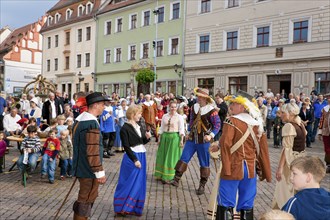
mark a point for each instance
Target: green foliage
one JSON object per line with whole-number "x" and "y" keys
{"x": 145, "y": 76}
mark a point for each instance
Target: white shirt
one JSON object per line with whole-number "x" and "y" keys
{"x": 52, "y": 104}
{"x": 10, "y": 123}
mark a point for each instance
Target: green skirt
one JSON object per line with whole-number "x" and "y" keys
{"x": 168, "y": 154}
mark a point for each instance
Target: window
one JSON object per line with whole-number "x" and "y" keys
{"x": 88, "y": 33}
{"x": 48, "y": 65}
{"x": 119, "y": 24}
{"x": 56, "y": 40}
{"x": 174, "y": 46}
{"x": 118, "y": 54}
{"x": 207, "y": 83}
{"x": 146, "y": 18}
{"x": 300, "y": 31}
{"x": 108, "y": 27}
{"x": 159, "y": 51}
{"x": 232, "y": 40}
{"x": 160, "y": 17}
{"x": 80, "y": 10}
{"x": 49, "y": 20}
{"x": 49, "y": 40}
{"x": 322, "y": 82}
{"x": 87, "y": 59}
{"x": 263, "y": 36}
{"x": 176, "y": 11}
{"x": 78, "y": 60}
{"x": 132, "y": 52}
{"x": 133, "y": 21}
{"x": 204, "y": 42}
{"x": 67, "y": 62}
{"x": 86, "y": 87}
{"x": 79, "y": 35}
{"x": 145, "y": 51}
{"x": 205, "y": 6}
{"x": 172, "y": 87}
{"x": 237, "y": 83}
{"x": 88, "y": 8}
{"x": 107, "y": 56}
{"x": 68, "y": 14}
{"x": 57, "y": 17}
{"x": 233, "y": 3}
{"x": 67, "y": 38}
{"x": 56, "y": 64}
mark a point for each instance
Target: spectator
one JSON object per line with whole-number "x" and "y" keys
{"x": 49, "y": 152}
{"x": 222, "y": 110}
{"x": 3, "y": 110}
{"x": 324, "y": 133}
{"x": 60, "y": 125}
{"x": 65, "y": 155}
{"x": 24, "y": 106}
{"x": 34, "y": 110}
{"x": 10, "y": 124}
{"x": 51, "y": 108}
{"x": 67, "y": 111}
{"x": 108, "y": 129}
{"x": 277, "y": 130}
{"x": 32, "y": 122}
{"x": 140, "y": 99}
{"x": 311, "y": 201}
{"x": 269, "y": 118}
{"x": 121, "y": 119}
{"x": 30, "y": 149}
{"x": 263, "y": 111}
{"x": 3, "y": 147}
{"x": 318, "y": 105}
{"x": 191, "y": 100}
{"x": 269, "y": 93}
{"x": 306, "y": 116}
{"x": 60, "y": 101}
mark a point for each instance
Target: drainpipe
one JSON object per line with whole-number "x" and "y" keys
{"x": 183, "y": 46}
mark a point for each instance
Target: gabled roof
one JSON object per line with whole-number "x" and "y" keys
{"x": 61, "y": 8}
{"x": 15, "y": 36}
{"x": 112, "y": 5}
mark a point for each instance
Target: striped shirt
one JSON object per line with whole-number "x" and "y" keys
{"x": 32, "y": 143}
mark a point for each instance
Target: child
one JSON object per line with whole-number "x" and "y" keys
{"x": 53, "y": 124}
{"x": 311, "y": 202}
{"x": 65, "y": 155}
{"x": 160, "y": 114}
{"x": 277, "y": 130}
{"x": 32, "y": 122}
{"x": 60, "y": 124}
{"x": 49, "y": 152}
{"x": 30, "y": 149}
{"x": 277, "y": 215}
{"x": 3, "y": 147}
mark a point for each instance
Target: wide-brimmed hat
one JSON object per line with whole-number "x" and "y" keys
{"x": 35, "y": 100}
{"x": 202, "y": 92}
{"x": 95, "y": 97}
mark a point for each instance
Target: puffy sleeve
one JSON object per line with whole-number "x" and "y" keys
{"x": 181, "y": 125}
{"x": 288, "y": 134}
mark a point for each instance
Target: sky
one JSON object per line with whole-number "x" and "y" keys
{"x": 18, "y": 13}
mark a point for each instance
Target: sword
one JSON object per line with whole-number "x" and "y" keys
{"x": 66, "y": 197}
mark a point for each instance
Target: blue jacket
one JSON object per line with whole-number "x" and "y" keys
{"x": 318, "y": 108}
{"x": 107, "y": 121}
{"x": 309, "y": 204}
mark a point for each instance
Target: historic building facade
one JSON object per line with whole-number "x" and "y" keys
{"x": 135, "y": 34}
{"x": 257, "y": 44}
{"x": 20, "y": 56}
{"x": 69, "y": 45}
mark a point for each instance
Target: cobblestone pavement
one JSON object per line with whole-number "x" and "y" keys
{"x": 40, "y": 200}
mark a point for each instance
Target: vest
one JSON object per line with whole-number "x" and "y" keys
{"x": 204, "y": 125}
{"x": 300, "y": 140}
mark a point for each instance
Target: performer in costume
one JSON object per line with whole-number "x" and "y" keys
{"x": 130, "y": 192}
{"x": 149, "y": 113}
{"x": 204, "y": 124}
{"x": 324, "y": 132}
{"x": 293, "y": 142}
{"x": 88, "y": 155}
{"x": 171, "y": 142}
{"x": 243, "y": 146}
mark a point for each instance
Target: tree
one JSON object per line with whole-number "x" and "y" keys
{"x": 144, "y": 77}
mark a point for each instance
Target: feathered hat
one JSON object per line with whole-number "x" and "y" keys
{"x": 201, "y": 92}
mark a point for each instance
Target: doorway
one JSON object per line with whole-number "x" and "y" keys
{"x": 279, "y": 82}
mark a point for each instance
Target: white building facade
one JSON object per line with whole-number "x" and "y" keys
{"x": 257, "y": 44}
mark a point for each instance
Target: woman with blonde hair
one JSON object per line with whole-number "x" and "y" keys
{"x": 293, "y": 142}
{"x": 131, "y": 189}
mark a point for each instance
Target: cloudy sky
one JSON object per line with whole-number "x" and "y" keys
{"x": 18, "y": 13}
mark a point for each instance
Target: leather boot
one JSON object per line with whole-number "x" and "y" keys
{"x": 205, "y": 173}
{"x": 78, "y": 217}
{"x": 246, "y": 214}
{"x": 180, "y": 168}
{"x": 225, "y": 213}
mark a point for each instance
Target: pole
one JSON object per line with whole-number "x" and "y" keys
{"x": 156, "y": 12}
{"x": 319, "y": 85}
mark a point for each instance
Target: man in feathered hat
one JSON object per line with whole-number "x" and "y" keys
{"x": 244, "y": 150}
{"x": 204, "y": 125}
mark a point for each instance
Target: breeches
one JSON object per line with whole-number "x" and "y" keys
{"x": 202, "y": 150}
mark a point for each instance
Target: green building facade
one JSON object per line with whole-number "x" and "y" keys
{"x": 127, "y": 33}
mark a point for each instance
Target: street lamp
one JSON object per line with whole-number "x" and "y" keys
{"x": 319, "y": 85}
{"x": 80, "y": 78}
{"x": 156, "y": 13}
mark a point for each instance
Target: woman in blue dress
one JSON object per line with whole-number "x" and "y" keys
{"x": 129, "y": 197}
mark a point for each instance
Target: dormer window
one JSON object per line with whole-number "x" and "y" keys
{"x": 80, "y": 10}
{"x": 89, "y": 7}
{"x": 49, "y": 20}
{"x": 68, "y": 14}
{"x": 57, "y": 17}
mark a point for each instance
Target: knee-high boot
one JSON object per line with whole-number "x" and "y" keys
{"x": 180, "y": 168}
{"x": 225, "y": 213}
{"x": 205, "y": 173}
{"x": 246, "y": 214}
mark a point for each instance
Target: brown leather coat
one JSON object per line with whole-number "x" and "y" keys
{"x": 233, "y": 164}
